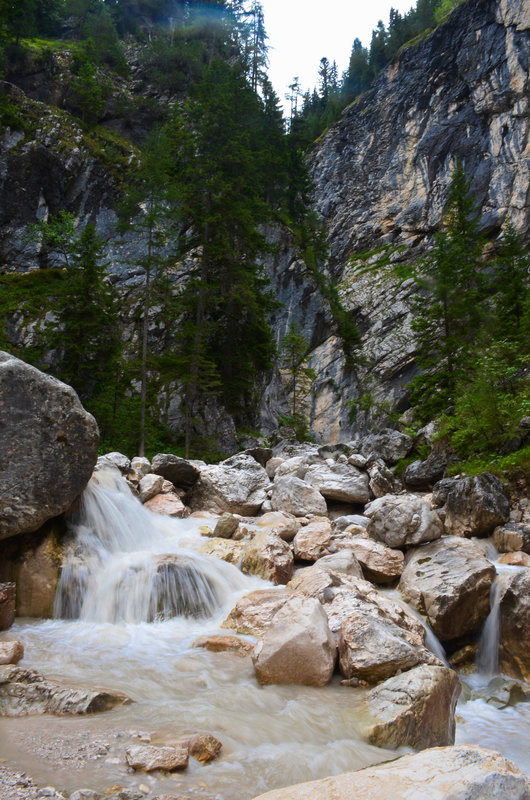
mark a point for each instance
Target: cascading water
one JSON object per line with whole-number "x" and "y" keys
{"x": 488, "y": 647}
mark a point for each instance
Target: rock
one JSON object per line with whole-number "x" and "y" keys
{"x": 204, "y": 747}
{"x": 268, "y": 556}
{"x": 382, "y": 480}
{"x": 150, "y": 757}
{"x": 85, "y": 794}
{"x": 339, "y": 482}
{"x": 141, "y": 465}
{"x": 225, "y": 549}
{"x": 118, "y": 460}
{"x": 298, "y": 646}
{"x": 502, "y": 692}
{"x": 514, "y": 653}
{"x": 286, "y": 525}
{"x": 11, "y": 652}
{"x": 461, "y": 772}
{"x": 169, "y": 505}
{"x": 296, "y": 497}
{"x": 379, "y": 563}
{"x": 341, "y": 523}
{"x": 343, "y": 595}
{"x": 7, "y": 605}
{"x": 449, "y": 582}
{"x": 358, "y": 460}
{"x": 471, "y": 506}
{"x": 415, "y": 709}
{"x": 403, "y": 520}
{"x": 254, "y": 612}
{"x": 25, "y": 691}
{"x": 48, "y": 444}
{"x": 343, "y": 561}
{"x": 312, "y": 541}
{"x": 222, "y": 644}
{"x": 424, "y": 474}
{"x": 513, "y": 536}
{"x": 272, "y": 465}
{"x": 149, "y": 486}
{"x": 238, "y": 485}
{"x": 177, "y": 470}
{"x": 226, "y": 526}
{"x": 517, "y": 559}
{"x": 375, "y": 648}
{"x": 388, "y": 444}
{"x": 260, "y": 454}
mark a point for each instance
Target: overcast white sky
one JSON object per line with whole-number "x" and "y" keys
{"x": 301, "y": 32}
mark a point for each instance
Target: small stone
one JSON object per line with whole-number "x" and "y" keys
{"x": 150, "y": 757}
{"x": 11, "y": 652}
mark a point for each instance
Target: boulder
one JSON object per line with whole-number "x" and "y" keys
{"x": 141, "y": 466}
{"x": 512, "y": 537}
{"x": 149, "y": 757}
{"x": 461, "y": 772}
{"x": 238, "y": 485}
{"x": 25, "y": 691}
{"x": 517, "y": 559}
{"x": 253, "y": 613}
{"x": 48, "y": 443}
{"x": 388, "y": 444}
{"x": 7, "y": 605}
{"x": 449, "y": 582}
{"x": 268, "y": 556}
{"x": 349, "y": 520}
{"x": 117, "y": 460}
{"x": 225, "y": 549}
{"x": 168, "y": 505}
{"x": 11, "y": 652}
{"x": 402, "y": 520}
{"x": 379, "y": 563}
{"x": 296, "y": 497}
{"x": 204, "y": 747}
{"x": 415, "y": 709}
{"x": 343, "y": 561}
{"x": 471, "y": 506}
{"x": 226, "y": 526}
{"x": 260, "y": 454}
{"x": 223, "y": 644}
{"x": 175, "y": 469}
{"x": 297, "y": 647}
{"x": 382, "y": 480}
{"x": 514, "y": 650}
{"x": 286, "y": 525}
{"x": 312, "y": 541}
{"x": 149, "y": 486}
{"x": 374, "y": 648}
{"x": 424, "y": 474}
{"x": 339, "y": 481}
{"x": 343, "y": 595}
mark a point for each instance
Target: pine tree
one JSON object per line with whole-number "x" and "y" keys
{"x": 293, "y": 362}
{"x": 511, "y": 270}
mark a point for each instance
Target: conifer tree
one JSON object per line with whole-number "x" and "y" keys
{"x": 293, "y": 362}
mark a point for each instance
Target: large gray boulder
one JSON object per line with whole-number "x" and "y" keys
{"x": 514, "y": 651}
{"x": 402, "y": 520}
{"x": 471, "y": 506}
{"x": 238, "y": 485}
{"x": 297, "y": 497}
{"x": 48, "y": 443}
{"x": 268, "y": 556}
{"x": 175, "y": 469}
{"x": 449, "y": 581}
{"x": 388, "y": 444}
{"x": 339, "y": 481}
{"x": 461, "y": 772}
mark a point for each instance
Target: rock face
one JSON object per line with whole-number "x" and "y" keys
{"x": 415, "y": 709}
{"x": 48, "y": 444}
{"x": 449, "y": 581}
{"x": 514, "y": 653}
{"x": 297, "y": 647}
{"x": 402, "y": 520}
{"x": 471, "y": 506}
{"x": 462, "y": 772}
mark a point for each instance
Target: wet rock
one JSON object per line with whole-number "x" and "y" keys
{"x": 226, "y": 526}
{"x": 312, "y": 541}
{"x": 254, "y": 612}
{"x": 204, "y": 747}
{"x": 388, "y": 444}
{"x": 298, "y": 646}
{"x": 225, "y": 549}
{"x": 149, "y": 486}
{"x": 449, "y": 581}
{"x": 85, "y": 794}
{"x": 382, "y": 480}
{"x": 461, "y": 772}
{"x": 380, "y": 564}
{"x": 502, "y": 692}
{"x": 148, "y": 757}
{"x": 223, "y": 644}
{"x": 169, "y": 505}
{"x": 471, "y": 506}
{"x": 293, "y": 495}
{"x": 175, "y": 469}
{"x": 402, "y": 521}
{"x": 515, "y": 559}
{"x": 268, "y": 556}
{"x": 415, "y": 709}
{"x": 514, "y": 652}
{"x": 11, "y": 652}
{"x": 24, "y": 691}
{"x": 48, "y": 443}
{"x": 339, "y": 482}
{"x": 512, "y": 537}
{"x": 286, "y": 525}
{"x": 238, "y": 485}
{"x": 7, "y": 605}
{"x": 374, "y": 648}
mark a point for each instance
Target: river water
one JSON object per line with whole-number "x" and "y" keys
{"x": 120, "y": 575}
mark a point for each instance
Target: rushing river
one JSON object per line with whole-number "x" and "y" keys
{"x": 119, "y": 575}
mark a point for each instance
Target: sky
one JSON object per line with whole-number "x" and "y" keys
{"x": 301, "y": 32}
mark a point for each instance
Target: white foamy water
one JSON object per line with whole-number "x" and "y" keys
{"x": 129, "y": 573}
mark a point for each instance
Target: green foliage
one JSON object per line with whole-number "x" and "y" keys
{"x": 299, "y": 423}
{"x": 11, "y": 115}
{"x": 293, "y": 363}
{"x": 90, "y": 91}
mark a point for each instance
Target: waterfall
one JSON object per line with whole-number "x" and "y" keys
{"x": 488, "y": 646}
{"x": 126, "y": 564}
